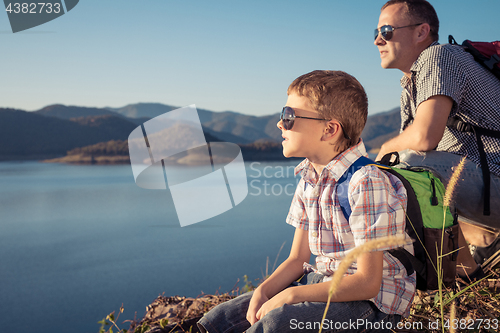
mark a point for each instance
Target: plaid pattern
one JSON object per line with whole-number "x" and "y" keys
{"x": 377, "y": 201}
{"x": 450, "y": 71}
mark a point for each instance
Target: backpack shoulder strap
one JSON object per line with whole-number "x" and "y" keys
{"x": 462, "y": 126}
{"x": 343, "y": 184}
{"x": 485, "y": 53}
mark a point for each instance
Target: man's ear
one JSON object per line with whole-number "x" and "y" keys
{"x": 423, "y": 31}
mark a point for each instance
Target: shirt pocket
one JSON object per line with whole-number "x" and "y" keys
{"x": 335, "y": 233}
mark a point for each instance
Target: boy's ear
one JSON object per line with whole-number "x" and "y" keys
{"x": 331, "y": 130}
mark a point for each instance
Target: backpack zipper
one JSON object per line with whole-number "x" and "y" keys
{"x": 434, "y": 199}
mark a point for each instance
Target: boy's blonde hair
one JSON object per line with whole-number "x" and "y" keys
{"x": 335, "y": 95}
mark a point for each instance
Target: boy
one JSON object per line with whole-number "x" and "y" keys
{"x": 322, "y": 121}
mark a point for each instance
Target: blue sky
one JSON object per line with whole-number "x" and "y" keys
{"x": 219, "y": 55}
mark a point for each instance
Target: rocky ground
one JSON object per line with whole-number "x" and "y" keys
{"x": 472, "y": 305}
{"x": 176, "y": 313}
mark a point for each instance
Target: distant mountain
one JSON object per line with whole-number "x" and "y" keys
{"x": 30, "y": 134}
{"x": 244, "y": 129}
{"x": 381, "y": 127}
{"x": 251, "y": 128}
{"x": 228, "y": 125}
{"x": 56, "y": 129}
{"x": 110, "y": 125}
{"x": 67, "y": 112}
{"x": 143, "y": 110}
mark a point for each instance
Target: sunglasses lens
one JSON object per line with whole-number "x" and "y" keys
{"x": 386, "y": 32}
{"x": 287, "y": 124}
{"x": 287, "y": 117}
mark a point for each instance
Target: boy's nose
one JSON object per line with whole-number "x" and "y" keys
{"x": 280, "y": 124}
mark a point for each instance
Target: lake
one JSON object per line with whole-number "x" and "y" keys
{"x": 78, "y": 241}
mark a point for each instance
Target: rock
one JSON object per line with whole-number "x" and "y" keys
{"x": 178, "y": 314}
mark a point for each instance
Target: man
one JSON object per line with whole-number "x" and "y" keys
{"x": 442, "y": 82}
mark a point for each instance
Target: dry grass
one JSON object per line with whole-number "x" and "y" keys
{"x": 450, "y": 189}
{"x": 466, "y": 306}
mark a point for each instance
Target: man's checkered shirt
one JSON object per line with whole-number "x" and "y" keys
{"x": 450, "y": 71}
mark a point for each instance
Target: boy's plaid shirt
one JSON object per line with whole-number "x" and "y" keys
{"x": 377, "y": 200}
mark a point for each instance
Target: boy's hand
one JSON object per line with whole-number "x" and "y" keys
{"x": 277, "y": 301}
{"x": 268, "y": 295}
{"x": 258, "y": 298}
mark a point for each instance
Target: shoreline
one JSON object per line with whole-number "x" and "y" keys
{"x": 89, "y": 159}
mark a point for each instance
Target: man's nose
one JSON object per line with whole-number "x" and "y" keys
{"x": 379, "y": 40}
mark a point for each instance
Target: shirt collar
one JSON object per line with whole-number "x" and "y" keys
{"x": 415, "y": 67}
{"x": 333, "y": 170}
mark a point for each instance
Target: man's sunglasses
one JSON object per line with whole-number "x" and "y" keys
{"x": 387, "y": 31}
{"x": 288, "y": 119}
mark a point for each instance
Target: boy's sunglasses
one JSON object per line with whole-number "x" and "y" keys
{"x": 387, "y": 31}
{"x": 288, "y": 119}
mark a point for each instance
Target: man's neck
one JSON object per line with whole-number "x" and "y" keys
{"x": 407, "y": 71}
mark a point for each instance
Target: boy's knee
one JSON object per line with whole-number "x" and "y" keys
{"x": 226, "y": 316}
{"x": 276, "y": 320}
{"x": 202, "y": 326}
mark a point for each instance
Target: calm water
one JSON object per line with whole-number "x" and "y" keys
{"x": 77, "y": 242}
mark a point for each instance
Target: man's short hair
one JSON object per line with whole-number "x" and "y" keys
{"x": 335, "y": 95}
{"x": 419, "y": 11}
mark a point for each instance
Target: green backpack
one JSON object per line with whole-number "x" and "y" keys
{"x": 424, "y": 221}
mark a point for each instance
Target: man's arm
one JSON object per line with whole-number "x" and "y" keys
{"x": 362, "y": 285}
{"x": 426, "y": 130}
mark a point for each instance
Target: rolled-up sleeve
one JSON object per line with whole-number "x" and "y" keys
{"x": 297, "y": 215}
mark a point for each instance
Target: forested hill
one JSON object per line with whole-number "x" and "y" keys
{"x": 57, "y": 129}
